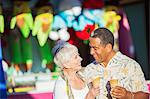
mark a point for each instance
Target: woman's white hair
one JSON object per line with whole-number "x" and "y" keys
{"x": 64, "y": 54}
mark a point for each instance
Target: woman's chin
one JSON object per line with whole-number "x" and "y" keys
{"x": 77, "y": 69}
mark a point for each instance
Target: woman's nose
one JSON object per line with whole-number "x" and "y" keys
{"x": 80, "y": 58}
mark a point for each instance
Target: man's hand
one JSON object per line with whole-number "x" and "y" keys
{"x": 120, "y": 93}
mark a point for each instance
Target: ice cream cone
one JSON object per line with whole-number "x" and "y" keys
{"x": 96, "y": 82}
{"x": 113, "y": 83}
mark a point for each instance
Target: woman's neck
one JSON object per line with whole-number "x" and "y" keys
{"x": 73, "y": 79}
{"x": 70, "y": 74}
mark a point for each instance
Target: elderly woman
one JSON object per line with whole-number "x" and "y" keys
{"x": 69, "y": 85}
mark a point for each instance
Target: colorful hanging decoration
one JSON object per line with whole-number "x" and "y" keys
{"x": 21, "y": 51}
{"x": 112, "y": 23}
{"x": 46, "y": 53}
{"x": 43, "y": 24}
{"x": 76, "y": 10}
{"x": 22, "y": 20}
{"x": 58, "y": 23}
{"x": 111, "y": 20}
{"x": 85, "y": 34}
{"x": 22, "y": 17}
{"x": 14, "y": 40}
{"x": 73, "y": 21}
{"x": 54, "y": 35}
{"x": 93, "y": 4}
{"x": 71, "y": 13}
{"x": 96, "y": 15}
{"x": 67, "y": 17}
{"x": 81, "y": 23}
{"x": 59, "y": 28}
{"x": 61, "y": 34}
{"x": 42, "y": 28}
{"x": 26, "y": 50}
{"x": 73, "y": 38}
{"x": 1, "y": 21}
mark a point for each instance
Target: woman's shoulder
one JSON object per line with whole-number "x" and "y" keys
{"x": 59, "y": 84}
{"x": 60, "y": 79}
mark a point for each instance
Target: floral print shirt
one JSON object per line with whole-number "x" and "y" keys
{"x": 126, "y": 70}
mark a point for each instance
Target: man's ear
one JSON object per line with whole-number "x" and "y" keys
{"x": 109, "y": 47}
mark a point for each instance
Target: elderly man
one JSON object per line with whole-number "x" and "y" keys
{"x": 125, "y": 73}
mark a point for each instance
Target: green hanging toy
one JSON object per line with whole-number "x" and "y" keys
{"x": 22, "y": 18}
{"x": 42, "y": 24}
{"x": 1, "y": 21}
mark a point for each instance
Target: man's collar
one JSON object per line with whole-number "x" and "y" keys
{"x": 115, "y": 58}
{"x": 94, "y": 62}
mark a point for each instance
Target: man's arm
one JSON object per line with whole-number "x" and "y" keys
{"x": 122, "y": 93}
{"x": 141, "y": 95}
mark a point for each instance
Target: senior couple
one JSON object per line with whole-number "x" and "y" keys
{"x": 76, "y": 83}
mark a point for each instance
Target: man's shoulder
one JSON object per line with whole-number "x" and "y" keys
{"x": 122, "y": 57}
{"x": 126, "y": 60}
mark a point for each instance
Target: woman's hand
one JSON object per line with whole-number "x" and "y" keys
{"x": 93, "y": 92}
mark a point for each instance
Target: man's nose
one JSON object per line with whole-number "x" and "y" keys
{"x": 91, "y": 51}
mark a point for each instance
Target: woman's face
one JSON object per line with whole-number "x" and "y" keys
{"x": 74, "y": 62}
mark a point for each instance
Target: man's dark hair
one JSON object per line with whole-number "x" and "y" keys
{"x": 105, "y": 35}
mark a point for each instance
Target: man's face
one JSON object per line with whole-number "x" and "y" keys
{"x": 98, "y": 50}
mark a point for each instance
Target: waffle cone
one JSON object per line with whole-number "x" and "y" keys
{"x": 114, "y": 82}
{"x": 96, "y": 82}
